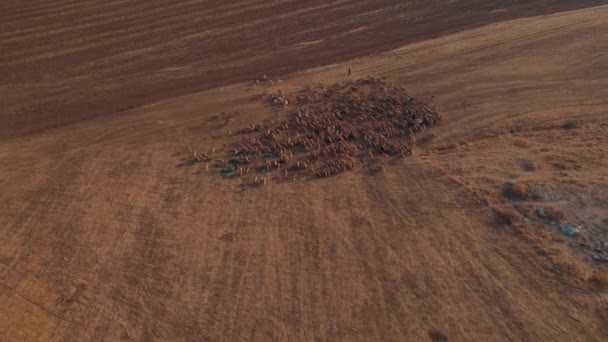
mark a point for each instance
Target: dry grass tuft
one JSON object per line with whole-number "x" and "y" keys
{"x": 521, "y": 143}
{"x": 516, "y": 191}
{"x": 506, "y": 216}
{"x": 598, "y": 281}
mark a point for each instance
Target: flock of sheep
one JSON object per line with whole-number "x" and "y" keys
{"x": 331, "y": 130}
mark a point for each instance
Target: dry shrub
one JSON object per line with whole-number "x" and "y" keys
{"x": 516, "y": 191}
{"x": 506, "y": 216}
{"x": 598, "y": 281}
{"x": 437, "y": 336}
{"x": 571, "y": 124}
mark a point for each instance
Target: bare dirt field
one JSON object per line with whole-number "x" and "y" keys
{"x": 65, "y": 61}
{"x": 105, "y": 236}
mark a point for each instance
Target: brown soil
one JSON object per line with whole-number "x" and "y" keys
{"x": 105, "y": 238}
{"x": 67, "y": 61}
